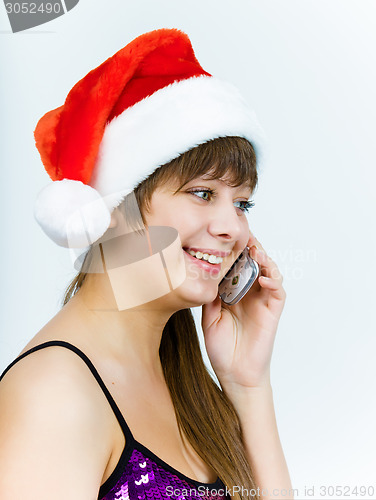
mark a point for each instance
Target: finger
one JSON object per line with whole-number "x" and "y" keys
{"x": 210, "y": 313}
{"x": 267, "y": 266}
{"x": 274, "y": 285}
{"x": 270, "y": 265}
{"x": 254, "y": 241}
{"x": 270, "y": 283}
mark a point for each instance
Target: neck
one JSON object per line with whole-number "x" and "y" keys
{"x": 131, "y": 336}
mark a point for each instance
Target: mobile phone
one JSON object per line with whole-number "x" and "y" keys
{"x": 239, "y": 279}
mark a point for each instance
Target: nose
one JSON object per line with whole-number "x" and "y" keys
{"x": 225, "y": 221}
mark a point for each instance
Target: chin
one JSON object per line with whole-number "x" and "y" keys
{"x": 195, "y": 295}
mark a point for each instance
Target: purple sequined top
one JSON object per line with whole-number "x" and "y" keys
{"x": 140, "y": 474}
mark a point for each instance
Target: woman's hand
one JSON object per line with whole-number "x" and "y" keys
{"x": 239, "y": 339}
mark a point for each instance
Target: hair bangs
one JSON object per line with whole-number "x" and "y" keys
{"x": 231, "y": 159}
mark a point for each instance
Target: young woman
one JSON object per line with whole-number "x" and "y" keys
{"x": 153, "y": 163}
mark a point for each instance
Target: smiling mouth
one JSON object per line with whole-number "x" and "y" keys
{"x": 203, "y": 264}
{"x": 207, "y": 259}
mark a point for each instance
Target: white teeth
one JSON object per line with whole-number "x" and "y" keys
{"x": 212, "y": 259}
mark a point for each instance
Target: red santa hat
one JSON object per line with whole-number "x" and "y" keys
{"x": 141, "y": 108}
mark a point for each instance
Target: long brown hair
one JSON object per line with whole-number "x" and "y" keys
{"x": 204, "y": 413}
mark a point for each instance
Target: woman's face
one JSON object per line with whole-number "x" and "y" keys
{"x": 210, "y": 222}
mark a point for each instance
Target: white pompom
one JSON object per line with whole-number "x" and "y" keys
{"x": 72, "y": 213}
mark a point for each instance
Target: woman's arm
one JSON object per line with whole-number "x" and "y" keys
{"x": 255, "y": 409}
{"x": 239, "y": 340}
{"x": 49, "y": 427}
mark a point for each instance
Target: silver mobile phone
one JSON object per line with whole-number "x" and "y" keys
{"x": 239, "y": 279}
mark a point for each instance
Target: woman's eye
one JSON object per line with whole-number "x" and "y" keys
{"x": 210, "y": 191}
{"x": 246, "y": 205}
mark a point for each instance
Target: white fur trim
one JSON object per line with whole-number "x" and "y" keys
{"x": 164, "y": 125}
{"x": 71, "y": 213}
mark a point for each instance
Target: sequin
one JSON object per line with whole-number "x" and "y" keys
{"x": 139, "y": 474}
{"x": 158, "y": 483}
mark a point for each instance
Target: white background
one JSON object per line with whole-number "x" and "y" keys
{"x": 308, "y": 69}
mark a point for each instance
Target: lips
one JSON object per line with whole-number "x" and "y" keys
{"x": 203, "y": 264}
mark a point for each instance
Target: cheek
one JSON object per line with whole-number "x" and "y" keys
{"x": 164, "y": 210}
{"x": 159, "y": 215}
{"x": 243, "y": 236}
{"x": 241, "y": 243}
{"x": 176, "y": 215}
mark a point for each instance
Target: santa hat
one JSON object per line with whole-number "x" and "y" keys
{"x": 141, "y": 108}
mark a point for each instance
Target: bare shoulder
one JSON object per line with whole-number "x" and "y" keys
{"x": 52, "y": 412}
{"x": 55, "y": 371}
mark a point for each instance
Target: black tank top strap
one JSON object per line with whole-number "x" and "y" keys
{"x": 126, "y": 430}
